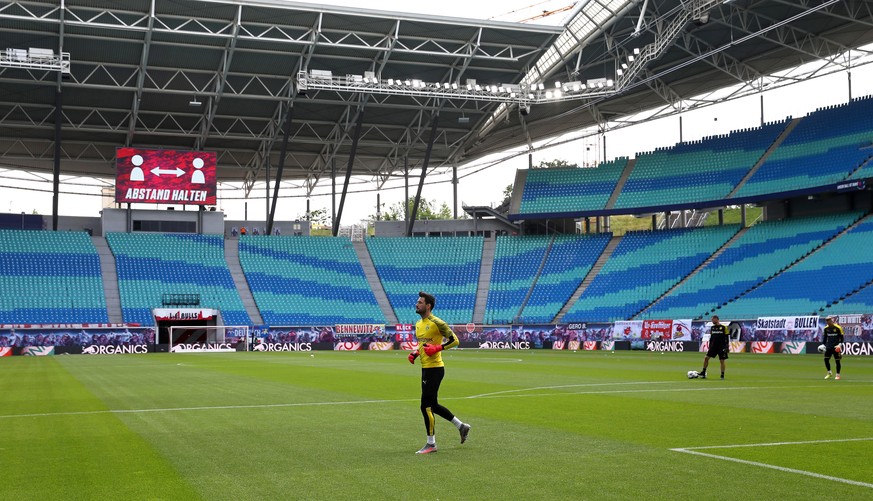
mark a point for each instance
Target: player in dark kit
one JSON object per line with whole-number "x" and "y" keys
{"x": 719, "y": 344}
{"x": 832, "y": 337}
{"x": 433, "y": 336}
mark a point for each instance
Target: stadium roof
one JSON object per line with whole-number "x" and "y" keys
{"x": 139, "y": 68}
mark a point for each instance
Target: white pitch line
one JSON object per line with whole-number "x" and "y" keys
{"x": 388, "y": 401}
{"x": 587, "y": 385}
{"x": 772, "y": 444}
{"x": 204, "y": 408}
{"x": 779, "y": 468}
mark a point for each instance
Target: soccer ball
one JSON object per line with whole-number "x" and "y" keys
{"x": 693, "y": 374}
{"x": 821, "y": 348}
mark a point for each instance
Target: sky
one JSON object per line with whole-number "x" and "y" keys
{"x": 483, "y": 181}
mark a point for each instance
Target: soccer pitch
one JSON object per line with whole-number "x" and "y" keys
{"x": 346, "y": 425}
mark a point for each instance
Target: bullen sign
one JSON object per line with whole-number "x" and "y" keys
{"x": 165, "y": 176}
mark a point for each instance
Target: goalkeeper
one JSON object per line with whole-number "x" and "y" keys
{"x": 433, "y": 336}
{"x": 832, "y": 337}
{"x": 719, "y": 345}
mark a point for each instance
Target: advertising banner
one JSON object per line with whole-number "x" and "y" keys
{"x": 738, "y": 347}
{"x": 762, "y": 347}
{"x": 347, "y": 345}
{"x": 5, "y": 352}
{"x": 682, "y": 330}
{"x": 184, "y": 314}
{"x": 165, "y": 176}
{"x": 381, "y": 346}
{"x": 203, "y": 348}
{"x": 865, "y": 349}
{"x": 657, "y": 329}
{"x": 97, "y": 349}
{"x": 662, "y": 346}
{"x": 357, "y": 329}
{"x": 786, "y": 323}
{"x": 793, "y": 348}
{"x": 74, "y": 338}
{"x": 38, "y": 351}
{"x": 625, "y": 330}
{"x": 262, "y": 346}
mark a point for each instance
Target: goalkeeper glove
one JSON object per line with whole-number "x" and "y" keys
{"x": 412, "y": 357}
{"x": 432, "y": 349}
{"x": 838, "y": 348}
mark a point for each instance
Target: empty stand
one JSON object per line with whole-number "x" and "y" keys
{"x": 824, "y": 277}
{"x": 761, "y": 252}
{"x": 643, "y": 266}
{"x": 570, "y": 190}
{"x": 697, "y": 171}
{"x": 50, "y": 277}
{"x": 308, "y": 281}
{"x": 447, "y": 267}
{"x": 152, "y": 264}
{"x": 568, "y": 261}
{"x": 824, "y": 148}
{"x": 516, "y": 261}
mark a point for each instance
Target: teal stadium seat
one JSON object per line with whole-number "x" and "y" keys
{"x": 570, "y": 190}
{"x": 643, "y": 266}
{"x": 447, "y": 267}
{"x": 824, "y": 148}
{"x": 822, "y": 278}
{"x": 50, "y": 277}
{"x": 761, "y": 252}
{"x": 153, "y": 264}
{"x": 569, "y": 258}
{"x": 301, "y": 281}
{"x": 696, "y": 171}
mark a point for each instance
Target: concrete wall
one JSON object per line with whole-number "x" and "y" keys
{"x": 827, "y": 203}
{"x": 286, "y": 228}
{"x": 207, "y": 222}
{"x": 440, "y": 227}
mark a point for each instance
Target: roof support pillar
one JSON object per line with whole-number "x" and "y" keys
{"x": 283, "y": 151}
{"x": 424, "y": 163}
{"x": 355, "y": 136}
{"x": 56, "y": 172}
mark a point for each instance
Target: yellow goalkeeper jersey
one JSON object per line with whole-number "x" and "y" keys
{"x": 432, "y": 330}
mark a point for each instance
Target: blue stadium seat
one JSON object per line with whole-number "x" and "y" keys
{"x": 447, "y": 267}
{"x": 299, "y": 281}
{"x": 50, "y": 277}
{"x": 152, "y": 264}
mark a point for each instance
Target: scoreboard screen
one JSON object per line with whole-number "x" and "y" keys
{"x": 165, "y": 177}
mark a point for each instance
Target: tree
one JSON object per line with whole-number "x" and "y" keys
{"x": 426, "y": 210}
{"x": 507, "y": 195}
{"x": 555, "y": 164}
{"x": 317, "y": 216}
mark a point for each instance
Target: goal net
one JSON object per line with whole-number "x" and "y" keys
{"x": 209, "y": 339}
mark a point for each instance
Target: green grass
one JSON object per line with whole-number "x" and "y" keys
{"x": 345, "y": 425}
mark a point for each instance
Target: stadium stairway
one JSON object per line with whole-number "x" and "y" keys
{"x": 110, "y": 280}
{"x": 604, "y": 257}
{"x": 373, "y": 279}
{"x": 485, "y": 269}
{"x": 620, "y": 184}
{"x": 231, "y": 256}
{"x": 785, "y": 133}
{"x": 703, "y": 265}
